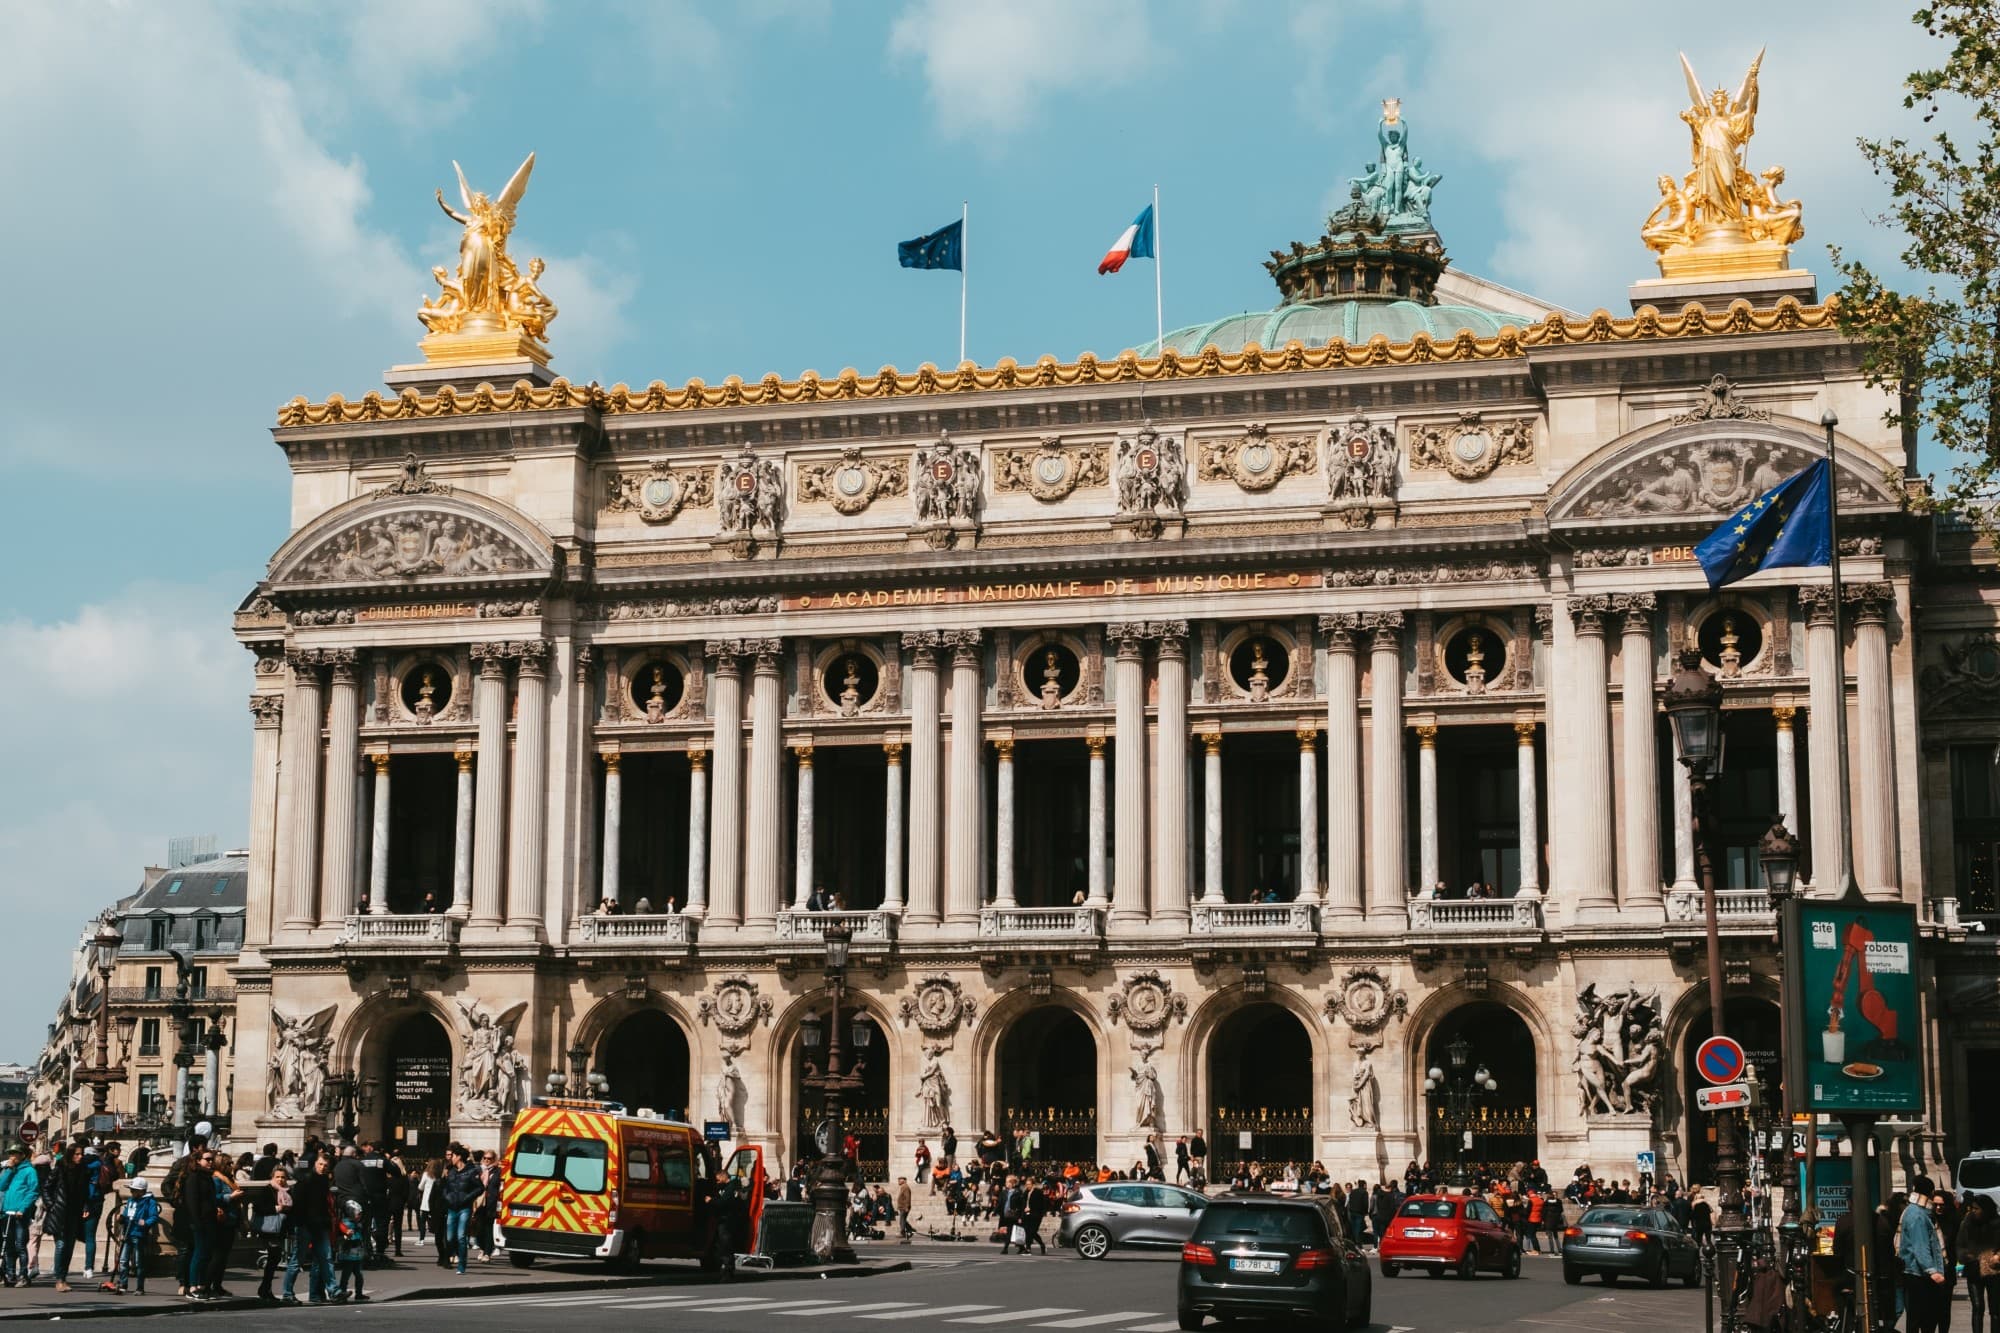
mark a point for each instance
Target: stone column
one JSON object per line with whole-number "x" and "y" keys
{"x": 343, "y": 764}
{"x": 363, "y": 843}
{"x": 763, "y": 878}
{"x": 696, "y": 904}
{"x": 1170, "y": 804}
{"x": 301, "y": 777}
{"x": 1782, "y": 718}
{"x": 461, "y": 839}
{"x": 725, "y": 804}
{"x": 802, "y": 832}
{"x": 1388, "y": 856}
{"x": 1100, "y": 893}
{"x": 1530, "y": 811}
{"x": 1211, "y": 817}
{"x": 1590, "y": 880}
{"x": 964, "y": 887}
{"x": 1308, "y": 814}
{"x": 378, "y": 839}
{"x": 1128, "y": 890}
{"x": 1003, "y": 823}
{"x": 1826, "y": 691}
{"x": 1427, "y": 805}
{"x": 614, "y": 813}
{"x": 892, "y": 827}
{"x": 267, "y": 712}
{"x": 1641, "y": 857}
{"x": 926, "y": 904}
{"x": 489, "y": 818}
{"x": 1343, "y": 766}
{"x": 527, "y": 867}
{"x": 1875, "y": 735}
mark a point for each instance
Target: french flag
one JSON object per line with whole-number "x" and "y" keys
{"x": 1135, "y": 242}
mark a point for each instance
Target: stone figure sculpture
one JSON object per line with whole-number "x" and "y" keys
{"x": 752, "y": 493}
{"x": 1151, "y": 473}
{"x": 300, "y": 1049}
{"x": 1364, "y": 1106}
{"x": 489, "y": 1059}
{"x": 1146, "y": 1081}
{"x": 1620, "y": 1042}
{"x": 933, "y": 1092}
{"x": 1395, "y": 187}
{"x": 729, "y": 1089}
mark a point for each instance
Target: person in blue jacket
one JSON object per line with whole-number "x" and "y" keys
{"x": 1921, "y": 1248}
{"x": 20, "y": 1191}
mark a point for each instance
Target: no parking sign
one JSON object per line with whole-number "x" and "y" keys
{"x": 1719, "y": 1060}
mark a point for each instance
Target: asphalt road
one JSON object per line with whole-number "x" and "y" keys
{"x": 1127, "y": 1293}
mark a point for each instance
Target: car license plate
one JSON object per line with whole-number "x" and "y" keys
{"x": 524, "y": 1210}
{"x": 1420, "y": 1233}
{"x": 1253, "y": 1265}
{"x": 1603, "y": 1240}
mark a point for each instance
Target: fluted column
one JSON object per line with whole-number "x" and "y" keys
{"x": 696, "y": 904}
{"x": 1684, "y": 880}
{"x": 489, "y": 817}
{"x": 1308, "y": 891}
{"x": 362, "y": 845}
{"x": 461, "y": 839}
{"x": 1826, "y": 690}
{"x": 527, "y": 868}
{"x": 892, "y": 827}
{"x": 614, "y": 814}
{"x": 963, "y": 887}
{"x": 1211, "y": 816}
{"x": 301, "y": 777}
{"x": 802, "y": 832}
{"x": 1003, "y": 823}
{"x": 1641, "y": 857}
{"x": 1343, "y": 765}
{"x": 1427, "y": 805}
{"x": 1588, "y": 876}
{"x": 343, "y": 763}
{"x": 1170, "y": 832}
{"x": 1529, "y": 811}
{"x": 1388, "y": 855}
{"x": 1876, "y": 858}
{"x": 926, "y": 903}
{"x": 763, "y": 876}
{"x": 267, "y": 711}
{"x": 1128, "y": 888}
{"x": 725, "y": 803}
{"x": 378, "y": 839}
{"x": 1100, "y": 835}
{"x": 1782, "y": 718}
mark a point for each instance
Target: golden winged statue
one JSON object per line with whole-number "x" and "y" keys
{"x": 488, "y": 308}
{"x": 1721, "y": 219}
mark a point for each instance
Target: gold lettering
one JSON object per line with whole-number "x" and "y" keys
{"x": 1259, "y": 580}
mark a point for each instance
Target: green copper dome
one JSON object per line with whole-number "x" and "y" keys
{"x": 1317, "y": 323}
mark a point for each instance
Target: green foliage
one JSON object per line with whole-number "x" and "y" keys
{"x": 1940, "y": 346}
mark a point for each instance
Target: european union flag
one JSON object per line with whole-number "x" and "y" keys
{"x": 1786, "y": 527}
{"x": 943, "y": 248}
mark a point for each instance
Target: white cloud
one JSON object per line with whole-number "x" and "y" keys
{"x": 989, "y": 66}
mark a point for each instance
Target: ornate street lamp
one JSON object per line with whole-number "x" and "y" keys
{"x": 1457, "y": 1096}
{"x": 102, "y": 1073}
{"x": 829, "y": 1194}
{"x": 1779, "y": 853}
{"x": 348, "y": 1095}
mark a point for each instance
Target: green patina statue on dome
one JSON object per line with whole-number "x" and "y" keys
{"x": 1394, "y": 191}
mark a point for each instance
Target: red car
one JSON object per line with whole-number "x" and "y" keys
{"x": 1449, "y": 1232}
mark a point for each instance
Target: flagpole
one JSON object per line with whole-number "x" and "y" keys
{"x": 964, "y": 258}
{"x": 1159, "y": 309}
{"x": 1829, "y": 421}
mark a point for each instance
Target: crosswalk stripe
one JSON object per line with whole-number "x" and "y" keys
{"x": 1093, "y": 1320}
{"x": 1006, "y": 1315}
{"x": 857, "y": 1309}
{"x": 1164, "y": 1326}
{"x": 690, "y": 1298}
{"x": 930, "y": 1312}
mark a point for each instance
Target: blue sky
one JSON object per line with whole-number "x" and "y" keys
{"x": 211, "y": 207}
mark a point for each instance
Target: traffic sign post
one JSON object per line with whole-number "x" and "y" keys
{"x": 1726, "y": 1097}
{"x": 1720, "y": 1060}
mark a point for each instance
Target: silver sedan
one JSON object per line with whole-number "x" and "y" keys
{"x": 1133, "y": 1213}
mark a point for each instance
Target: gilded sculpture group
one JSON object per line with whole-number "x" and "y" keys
{"x": 1720, "y": 204}
{"x": 489, "y": 295}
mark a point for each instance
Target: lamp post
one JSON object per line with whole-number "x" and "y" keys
{"x": 829, "y": 1194}
{"x": 1459, "y": 1095}
{"x": 102, "y": 1073}
{"x": 348, "y": 1095}
{"x": 1693, "y": 703}
{"x": 1778, "y": 852}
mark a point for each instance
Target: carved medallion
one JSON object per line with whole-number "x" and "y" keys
{"x": 1366, "y": 1001}
{"x": 1258, "y": 460}
{"x": 938, "y": 1007}
{"x": 661, "y": 492}
{"x": 1471, "y": 447}
{"x": 1049, "y": 471}
{"x": 1146, "y": 1003}
{"x": 853, "y": 483}
{"x": 735, "y": 1007}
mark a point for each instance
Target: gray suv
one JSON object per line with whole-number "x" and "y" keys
{"x": 1129, "y": 1212}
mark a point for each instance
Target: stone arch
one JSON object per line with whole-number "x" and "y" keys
{"x": 363, "y": 1042}
{"x": 1678, "y": 1119}
{"x": 333, "y": 551}
{"x": 990, "y": 1035}
{"x": 1193, "y": 1099}
{"x": 1551, "y": 1059}
{"x": 598, "y": 1027}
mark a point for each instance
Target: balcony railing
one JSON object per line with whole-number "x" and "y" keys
{"x": 1474, "y": 916}
{"x": 651, "y": 928}
{"x": 1258, "y": 919}
{"x": 1054, "y": 924}
{"x": 1733, "y": 907}
{"x": 165, "y": 995}
{"x": 864, "y": 928}
{"x": 393, "y": 930}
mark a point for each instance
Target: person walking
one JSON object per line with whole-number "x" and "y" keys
{"x": 225, "y": 1221}
{"x": 20, "y": 1193}
{"x": 903, "y": 1203}
{"x": 1039, "y": 1204}
{"x": 312, "y": 1226}
{"x": 1357, "y": 1212}
{"x": 462, "y": 1189}
{"x": 1181, "y": 1159}
{"x": 1198, "y": 1154}
{"x": 1979, "y": 1251}
{"x": 138, "y": 1218}
{"x": 62, "y": 1202}
{"x": 1920, "y": 1248}
{"x": 487, "y": 1209}
{"x": 351, "y": 1248}
{"x": 275, "y": 1235}
{"x": 1013, "y": 1213}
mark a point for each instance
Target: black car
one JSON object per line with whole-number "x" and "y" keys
{"x": 1629, "y": 1242}
{"x": 1262, "y": 1255}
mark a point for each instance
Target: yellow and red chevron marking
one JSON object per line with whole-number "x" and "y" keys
{"x": 561, "y": 1208}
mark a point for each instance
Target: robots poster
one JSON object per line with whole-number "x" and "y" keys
{"x": 1858, "y": 1015}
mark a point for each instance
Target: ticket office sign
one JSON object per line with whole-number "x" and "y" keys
{"x": 1858, "y": 1031}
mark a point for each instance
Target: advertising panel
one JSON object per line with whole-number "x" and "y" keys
{"x": 1858, "y": 1025}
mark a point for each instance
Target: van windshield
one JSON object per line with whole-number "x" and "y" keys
{"x": 1979, "y": 1173}
{"x": 578, "y": 1162}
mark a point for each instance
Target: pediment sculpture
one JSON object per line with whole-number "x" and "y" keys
{"x": 1257, "y": 460}
{"x": 1709, "y": 476}
{"x": 851, "y": 484}
{"x": 413, "y": 543}
{"x": 1051, "y": 470}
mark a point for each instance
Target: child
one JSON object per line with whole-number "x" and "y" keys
{"x": 136, "y": 1221}
{"x": 351, "y": 1250}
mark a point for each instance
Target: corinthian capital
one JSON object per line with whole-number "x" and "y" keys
{"x": 1130, "y": 636}
{"x": 268, "y": 710}
{"x": 1818, "y": 604}
{"x": 1589, "y": 611}
{"x": 1339, "y": 628}
{"x": 1384, "y": 625}
{"x": 766, "y": 652}
{"x": 1871, "y": 601}
{"x": 1638, "y": 608}
{"x": 533, "y": 654}
{"x": 964, "y": 645}
{"x": 1172, "y": 635}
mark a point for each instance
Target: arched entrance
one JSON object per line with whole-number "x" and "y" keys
{"x": 416, "y": 1073}
{"x": 1048, "y": 1085}
{"x": 1260, "y": 1088}
{"x": 864, "y": 1113}
{"x": 645, "y": 1063}
{"x": 1756, "y": 1026}
{"x": 1469, "y": 1127}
